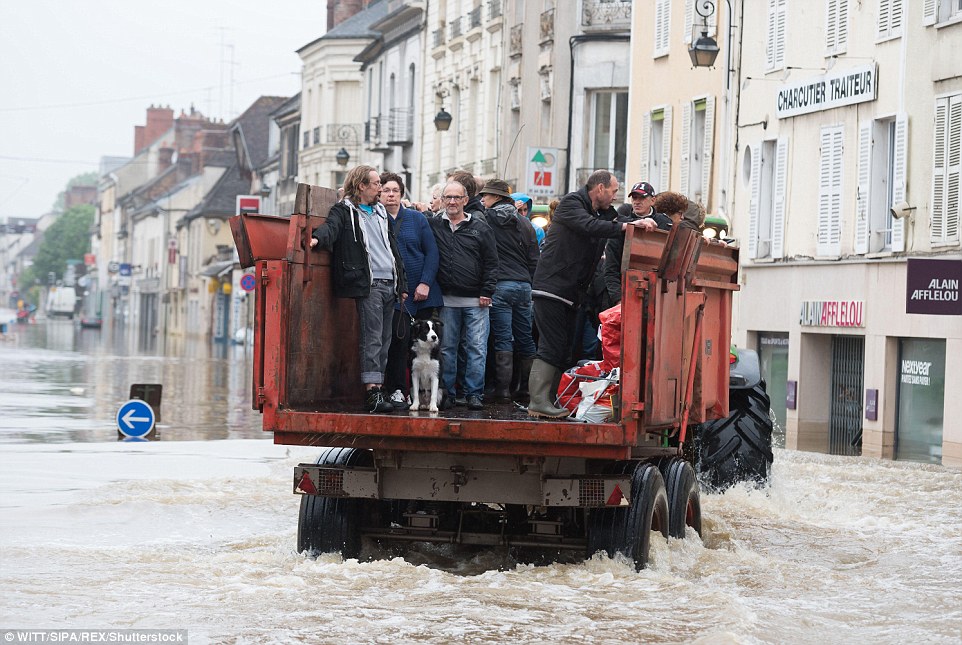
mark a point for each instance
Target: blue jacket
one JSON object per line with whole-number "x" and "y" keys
{"x": 419, "y": 254}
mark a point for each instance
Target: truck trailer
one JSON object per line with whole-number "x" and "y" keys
{"x": 687, "y": 408}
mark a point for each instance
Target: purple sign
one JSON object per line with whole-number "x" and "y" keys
{"x": 871, "y": 405}
{"x": 790, "y": 394}
{"x": 932, "y": 287}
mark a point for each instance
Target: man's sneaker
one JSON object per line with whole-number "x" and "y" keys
{"x": 398, "y": 400}
{"x": 460, "y": 399}
{"x": 376, "y": 403}
{"x": 474, "y": 402}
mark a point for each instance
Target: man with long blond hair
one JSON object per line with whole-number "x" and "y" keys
{"x": 368, "y": 268}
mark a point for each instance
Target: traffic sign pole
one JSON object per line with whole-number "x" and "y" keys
{"x": 135, "y": 418}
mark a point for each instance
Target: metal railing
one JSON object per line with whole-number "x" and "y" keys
{"x": 474, "y": 18}
{"x": 455, "y": 28}
{"x": 400, "y": 129}
{"x": 344, "y": 133}
{"x": 489, "y": 166}
{"x": 494, "y": 9}
{"x": 372, "y": 130}
{"x": 438, "y": 37}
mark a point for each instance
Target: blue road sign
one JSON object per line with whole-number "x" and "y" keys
{"x": 135, "y": 418}
{"x": 125, "y": 269}
{"x": 248, "y": 282}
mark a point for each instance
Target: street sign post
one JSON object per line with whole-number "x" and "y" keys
{"x": 135, "y": 418}
{"x": 248, "y": 282}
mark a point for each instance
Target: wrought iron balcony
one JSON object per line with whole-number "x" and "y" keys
{"x": 438, "y": 37}
{"x": 373, "y": 130}
{"x": 455, "y": 27}
{"x": 489, "y": 166}
{"x": 400, "y": 127}
{"x": 474, "y": 18}
{"x": 495, "y": 9}
{"x": 606, "y": 14}
{"x": 344, "y": 133}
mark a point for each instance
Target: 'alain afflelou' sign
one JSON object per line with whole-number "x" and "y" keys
{"x": 932, "y": 287}
{"x": 853, "y": 85}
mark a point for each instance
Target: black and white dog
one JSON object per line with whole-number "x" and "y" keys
{"x": 426, "y": 365}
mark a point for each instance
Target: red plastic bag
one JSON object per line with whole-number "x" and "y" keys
{"x": 611, "y": 337}
{"x": 569, "y": 394}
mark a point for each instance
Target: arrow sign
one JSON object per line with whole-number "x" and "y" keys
{"x": 135, "y": 418}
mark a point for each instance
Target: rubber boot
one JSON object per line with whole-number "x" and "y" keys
{"x": 503, "y": 365}
{"x": 542, "y": 397}
{"x": 523, "y": 370}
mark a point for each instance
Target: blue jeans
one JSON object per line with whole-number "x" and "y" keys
{"x": 467, "y": 326}
{"x": 511, "y": 318}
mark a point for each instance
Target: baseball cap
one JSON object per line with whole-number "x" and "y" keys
{"x": 642, "y": 188}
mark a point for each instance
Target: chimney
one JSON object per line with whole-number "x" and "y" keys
{"x": 344, "y": 9}
{"x": 138, "y": 138}
{"x": 165, "y": 157}
{"x": 330, "y": 14}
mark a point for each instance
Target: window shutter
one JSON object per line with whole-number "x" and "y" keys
{"x": 841, "y": 28}
{"x": 830, "y": 192}
{"x": 689, "y": 20}
{"x": 754, "y": 205}
{"x": 770, "y": 42}
{"x": 953, "y": 176}
{"x": 884, "y": 16}
{"x": 831, "y": 25}
{"x": 937, "y": 216}
{"x": 708, "y": 150}
{"x": 685, "y": 147}
{"x": 780, "y": 33}
{"x": 778, "y": 203}
{"x": 899, "y": 172}
{"x": 930, "y": 12}
{"x": 693, "y": 22}
{"x": 895, "y": 22}
{"x": 662, "y": 26}
{"x": 862, "y": 197}
{"x": 645, "y": 143}
{"x": 665, "y": 149}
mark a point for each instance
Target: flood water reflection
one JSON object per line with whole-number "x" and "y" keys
{"x": 61, "y": 383}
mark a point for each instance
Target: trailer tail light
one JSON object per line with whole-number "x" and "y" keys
{"x": 732, "y": 358}
{"x": 319, "y": 481}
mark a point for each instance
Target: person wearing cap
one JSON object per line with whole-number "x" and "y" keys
{"x": 641, "y": 211}
{"x": 568, "y": 263}
{"x": 518, "y": 255}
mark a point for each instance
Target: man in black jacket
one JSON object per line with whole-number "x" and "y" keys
{"x": 368, "y": 268}
{"x": 518, "y": 255}
{"x": 467, "y": 273}
{"x": 641, "y": 210}
{"x": 570, "y": 257}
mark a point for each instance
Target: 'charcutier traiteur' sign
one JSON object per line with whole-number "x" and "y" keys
{"x": 847, "y": 87}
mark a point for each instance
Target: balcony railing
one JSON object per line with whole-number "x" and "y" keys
{"x": 344, "y": 133}
{"x": 372, "y": 130}
{"x": 606, "y": 14}
{"x": 546, "y": 30}
{"x": 516, "y": 39}
{"x": 455, "y": 28}
{"x": 489, "y": 166}
{"x": 400, "y": 126}
{"x": 474, "y": 18}
{"x": 494, "y": 9}
{"x": 438, "y": 37}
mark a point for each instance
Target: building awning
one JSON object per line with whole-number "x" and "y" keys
{"x": 217, "y": 268}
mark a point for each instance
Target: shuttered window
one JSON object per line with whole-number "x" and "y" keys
{"x": 947, "y": 170}
{"x": 836, "y": 26}
{"x": 936, "y": 11}
{"x": 889, "y": 19}
{"x": 830, "y": 192}
{"x": 767, "y": 207}
{"x": 775, "y": 47}
{"x": 662, "y": 27}
{"x": 695, "y": 24}
{"x": 697, "y": 141}
{"x": 656, "y": 148}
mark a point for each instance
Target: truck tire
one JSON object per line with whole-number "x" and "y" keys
{"x": 739, "y": 447}
{"x": 628, "y": 530}
{"x": 684, "y": 499}
{"x": 332, "y": 524}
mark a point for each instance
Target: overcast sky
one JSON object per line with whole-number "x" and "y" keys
{"x": 76, "y": 76}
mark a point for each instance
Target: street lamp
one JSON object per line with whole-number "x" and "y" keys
{"x": 704, "y": 50}
{"x": 442, "y": 121}
{"x": 342, "y": 157}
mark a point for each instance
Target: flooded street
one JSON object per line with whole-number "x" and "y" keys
{"x": 199, "y": 535}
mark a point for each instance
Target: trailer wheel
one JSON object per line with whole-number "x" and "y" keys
{"x": 739, "y": 447}
{"x": 628, "y": 530}
{"x": 684, "y": 500}
{"x": 332, "y": 524}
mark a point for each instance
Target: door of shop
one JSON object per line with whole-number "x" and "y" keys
{"x": 845, "y": 421}
{"x": 773, "y": 359}
{"x": 918, "y": 427}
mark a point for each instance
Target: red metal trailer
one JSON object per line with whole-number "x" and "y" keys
{"x": 496, "y": 476}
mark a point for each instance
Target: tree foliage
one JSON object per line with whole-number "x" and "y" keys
{"x": 67, "y": 239}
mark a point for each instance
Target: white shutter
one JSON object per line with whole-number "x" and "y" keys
{"x": 754, "y": 205}
{"x": 930, "y": 12}
{"x": 689, "y": 19}
{"x": 899, "y": 173}
{"x": 862, "y": 197}
{"x": 937, "y": 216}
{"x": 830, "y": 192}
{"x": 953, "y": 175}
{"x": 684, "y": 167}
{"x": 781, "y": 10}
{"x": 645, "y": 143}
{"x": 665, "y": 150}
{"x": 694, "y": 24}
{"x": 778, "y": 203}
{"x": 831, "y": 25}
{"x": 895, "y": 23}
{"x": 841, "y": 29}
{"x": 884, "y": 18}
{"x": 662, "y": 27}
{"x": 770, "y": 38}
{"x": 708, "y": 149}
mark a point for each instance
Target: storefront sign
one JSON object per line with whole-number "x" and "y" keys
{"x": 932, "y": 287}
{"x": 916, "y": 372}
{"x": 871, "y": 405}
{"x": 848, "y": 87}
{"x": 790, "y": 394}
{"x": 831, "y": 313}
